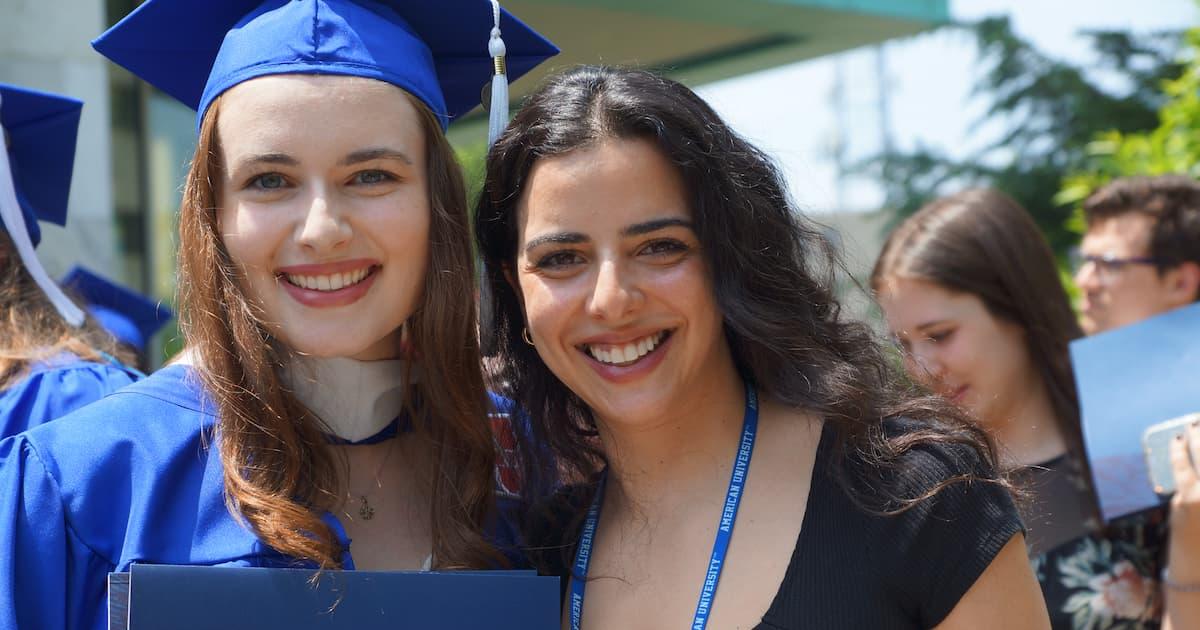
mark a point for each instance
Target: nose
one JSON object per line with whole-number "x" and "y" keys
{"x": 322, "y": 227}
{"x": 1087, "y": 277}
{"x": 615, "y": 294}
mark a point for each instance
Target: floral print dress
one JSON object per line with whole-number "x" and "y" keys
{"x": 1093, "y": 577}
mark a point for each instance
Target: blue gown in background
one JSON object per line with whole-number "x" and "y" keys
{"x": 57, "y": 387}
{"x": 134, "y": 478}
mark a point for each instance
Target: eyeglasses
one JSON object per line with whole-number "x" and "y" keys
{"x": 1108, "y": 264}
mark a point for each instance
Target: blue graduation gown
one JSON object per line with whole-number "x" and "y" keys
{"x": 57, "y": 387}
{"x": 130, "y": 479}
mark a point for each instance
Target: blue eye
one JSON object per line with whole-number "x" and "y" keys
{"x": 268, "y": 181}
{"x": 367, "y": 178}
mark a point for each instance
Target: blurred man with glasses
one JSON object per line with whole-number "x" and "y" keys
{"x": 1141, "y": 253}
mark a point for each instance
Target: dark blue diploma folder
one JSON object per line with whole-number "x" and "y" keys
{"x": 231, "y": 598}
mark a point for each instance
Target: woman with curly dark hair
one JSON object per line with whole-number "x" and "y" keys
{"x": 666, "y": 317}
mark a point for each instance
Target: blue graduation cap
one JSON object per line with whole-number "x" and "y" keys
{"x": 441, "y": 51}
{"x": 38, "y": 138}
{"x": 40, "y": 130}
{"x": 130, "y": 317}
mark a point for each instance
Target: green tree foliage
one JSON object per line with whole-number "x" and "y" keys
{"x": 1173, "y": 146}
{"x": 1051, "y": 110}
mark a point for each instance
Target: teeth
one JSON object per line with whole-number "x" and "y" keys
{"x": 332, "y": 282}
{"x": 627, "y": 353}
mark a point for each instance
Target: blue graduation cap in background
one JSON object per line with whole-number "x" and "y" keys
{"x": 130, "y": 317}
{"x": 40, "y": 133}
{"x": 441, "y": 51}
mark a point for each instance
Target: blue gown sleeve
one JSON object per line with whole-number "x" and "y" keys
{"x": 33, "y": 545}
{"x": 50, "y": 394}
{"x": 49, "y": 578}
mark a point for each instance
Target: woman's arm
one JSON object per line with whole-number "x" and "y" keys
{"x": 1006, "y": 596}
{"x": 1182, "y": 594}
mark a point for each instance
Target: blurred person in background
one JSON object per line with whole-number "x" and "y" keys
{"x": 971, "y": 292}
{"x": 130, "y": 317}
{"x": 53, "y": 359}
{"x": 1140, "y": 255}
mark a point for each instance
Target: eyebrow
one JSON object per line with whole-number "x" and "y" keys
{"x": 932, "y": 324}
{"x": 559, "y": 238}
{"x": 637, "y": 229}
{"x": 654, "y": 225}
{"x": 366, "y": 155}
{"x": 267, "y": 158}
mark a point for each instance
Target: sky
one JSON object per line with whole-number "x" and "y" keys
{"x": 926, "y": 82}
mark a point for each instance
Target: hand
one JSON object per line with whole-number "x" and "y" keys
{"x": 1184, "y": 554}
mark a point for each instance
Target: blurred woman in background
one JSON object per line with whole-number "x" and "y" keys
{"x": 53, "y": 359}
{"x": 971, "y": 292}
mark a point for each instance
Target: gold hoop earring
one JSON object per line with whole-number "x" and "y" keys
{"x": 525, "y": 336}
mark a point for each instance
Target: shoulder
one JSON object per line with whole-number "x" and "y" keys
{"x": 57, "y": 388}
{"x": 140, "y": 430}
{"x": 921, "y": 459}
{"x": 138, "y": 456}
{"x": 913, "y": 530}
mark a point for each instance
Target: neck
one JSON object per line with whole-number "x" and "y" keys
{"x": 1029, "y": 432}
{"x": 684, "y": 453}
{"x": 354, "y": 399}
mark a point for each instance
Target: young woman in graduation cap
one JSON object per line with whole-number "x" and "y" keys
{"x": 330, "y": 390}
{"x": 741, "y": 455}
{"x": 53, "y": 359}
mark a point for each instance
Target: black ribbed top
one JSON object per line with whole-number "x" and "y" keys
{"x": 854, "y": 569}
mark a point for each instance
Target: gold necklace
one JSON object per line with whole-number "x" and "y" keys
{"x": 365, "y": 511}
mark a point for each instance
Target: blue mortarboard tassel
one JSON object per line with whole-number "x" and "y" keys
{"x": 42, "y": 130}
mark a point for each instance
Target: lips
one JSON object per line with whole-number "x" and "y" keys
{"x": 956, "y": 394}
{"x": 329, "y": 285}
{"x": 606, "y": 354}
{"x": 328, "y": 282}
{"x": 625, "y": 353}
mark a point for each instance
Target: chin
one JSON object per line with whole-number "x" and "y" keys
{"x": 314, "y": 344}
{"x": 632, "y": 409}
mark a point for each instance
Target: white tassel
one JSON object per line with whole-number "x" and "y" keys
{"x": 14, "y": 223}
{"x": 498, "y": 114}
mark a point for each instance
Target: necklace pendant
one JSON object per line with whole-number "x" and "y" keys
{"x": 365, "y": 511}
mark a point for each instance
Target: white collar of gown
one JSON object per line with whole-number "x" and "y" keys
{"x": 354, "y": 399}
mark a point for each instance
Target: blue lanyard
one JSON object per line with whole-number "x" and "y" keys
{"x": 733, "y": 498}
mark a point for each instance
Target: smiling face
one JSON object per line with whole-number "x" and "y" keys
{"x": 954, "y": 345}
{"x": 324, "y": 206}
{"x": 617, "y": 296}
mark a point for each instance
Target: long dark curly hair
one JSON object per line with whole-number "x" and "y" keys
{"x": 773, "y": 278}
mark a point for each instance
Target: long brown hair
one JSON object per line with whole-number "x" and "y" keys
{"x": 773, "y": 278}
{"x": 280, "y": 474}
{"x": 31, "y": 329}
{"x": 983, "y": 243}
